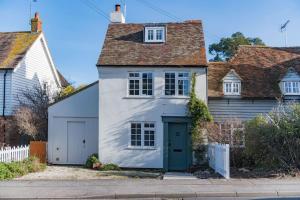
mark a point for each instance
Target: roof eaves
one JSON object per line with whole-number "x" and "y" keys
{"x": 80, "y": 90}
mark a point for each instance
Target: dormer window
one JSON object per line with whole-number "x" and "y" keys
{"x": 232, "y": 83}
{"x": 232, "y": 88}
{"x": 155, "y": 34}
{"x": 291, "y": 87}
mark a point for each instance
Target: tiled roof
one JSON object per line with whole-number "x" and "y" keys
{"x": 62, "y": 79}
{"x": 261, "y": 68}
{"x": 124, "y": 46}
{"x": 13, "y": 47}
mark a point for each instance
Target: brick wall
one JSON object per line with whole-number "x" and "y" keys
{"x": 8, "y": 137}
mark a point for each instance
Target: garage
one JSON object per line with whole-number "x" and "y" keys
{"x": 73, "y": 127}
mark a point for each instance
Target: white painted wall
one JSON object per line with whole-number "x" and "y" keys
{"x": 117, "y": 111}
{"x": 80, "y": 107}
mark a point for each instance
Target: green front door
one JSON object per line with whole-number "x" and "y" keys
{"x": 177, "y": 150}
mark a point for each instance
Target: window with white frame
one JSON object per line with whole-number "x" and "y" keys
{"x": 177, "y": 84}
{"x": 140, "y": 84}
{"x": 142, "y": 134}
{"x": 232, "y": 87}
{"x": 155, "y": 34}
{"x": 291, "y": 87}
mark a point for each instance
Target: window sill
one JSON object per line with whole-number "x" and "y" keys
{"x": 139, "y": 97}
{"x": 175, "y": 97}
{"x": 291, "y": 94}
{"x": 141, "y": 148}
{"x": 232, "y": 95}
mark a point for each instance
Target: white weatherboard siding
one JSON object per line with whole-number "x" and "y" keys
{"x": 35, "y": 68}
{"x": 8, "y": 90}
{"x": 79, "y": 113}
{"x": 117, "y": 111}
{"x": 226, "y": 109}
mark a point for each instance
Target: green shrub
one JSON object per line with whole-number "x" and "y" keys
{"x": 92, "y": 159}
{"x": 239, "y": 158}
{"x": 274, "y": 140}
{"x": 17, "y": 168}
{"x": 5, "y": 173}
{"x": 110, "y": 167}
{"x": 33, "y": 164}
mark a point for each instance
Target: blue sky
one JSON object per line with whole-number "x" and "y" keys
{"x": 75, "y": 32}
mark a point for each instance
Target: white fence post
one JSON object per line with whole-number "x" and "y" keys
{"x": 218, "y": 158}
{"x": 9, "y": 154}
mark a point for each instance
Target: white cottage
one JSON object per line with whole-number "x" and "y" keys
{"x": 145, "y": 75}
{"x": 144, "y": 84}
{"x": 25, "y": 61}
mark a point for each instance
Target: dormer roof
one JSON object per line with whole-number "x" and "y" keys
{"x": 230, "y": 73}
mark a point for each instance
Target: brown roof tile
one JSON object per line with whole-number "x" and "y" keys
{"x": 124, "y": 45}
{"x": 260, "y": 68}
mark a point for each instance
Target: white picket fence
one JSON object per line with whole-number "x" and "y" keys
{"x": 218, "y": 157}
{"x": 10, "y": 154}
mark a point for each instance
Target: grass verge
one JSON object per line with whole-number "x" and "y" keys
{"x": 17, "y": 169}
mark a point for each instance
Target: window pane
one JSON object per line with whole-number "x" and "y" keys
{"x": 149, "y": 133}
{"x": 147, "y": 84}
{"x": 183, "y": 84}
{"x": 136, "y": 134}
{"x": 150, "y": 34}
{"x": 159, "y": 34}
{"x": 169, "y": 83}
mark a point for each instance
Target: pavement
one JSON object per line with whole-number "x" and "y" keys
{"x": 152, "y": 189}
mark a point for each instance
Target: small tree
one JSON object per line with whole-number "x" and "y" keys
{"x": 227, "y": 46}
{"x": 31, "y": 116}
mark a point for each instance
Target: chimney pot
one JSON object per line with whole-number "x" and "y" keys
{"x": 117, "y": 15}
{"x": 36, "y": 15}
{"x": 118, "y": 8}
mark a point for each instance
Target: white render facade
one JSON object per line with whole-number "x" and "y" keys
{"x": 117, "y": 110}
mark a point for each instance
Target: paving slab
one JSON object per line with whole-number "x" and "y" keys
{"x": 179, "y": 176}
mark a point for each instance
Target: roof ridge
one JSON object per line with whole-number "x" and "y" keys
{"x": 262, "y": 46}
{"x": 190, "y": 21}
{"x": 16, "y": 32}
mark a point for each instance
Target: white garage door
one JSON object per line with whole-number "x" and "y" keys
{"x": 72, "y": 140}
{"x": 76, "y": 142}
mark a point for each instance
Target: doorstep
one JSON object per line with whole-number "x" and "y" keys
{"x": 179, "y": 176}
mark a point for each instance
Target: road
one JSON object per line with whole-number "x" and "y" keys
{"x": 152, "y": 189}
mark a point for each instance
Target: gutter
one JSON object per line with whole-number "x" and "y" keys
{"x": 4, "y": 92}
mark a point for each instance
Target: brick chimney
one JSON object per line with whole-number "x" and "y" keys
{"x": 117, "y": 16}
{"x": 36, "y": 23}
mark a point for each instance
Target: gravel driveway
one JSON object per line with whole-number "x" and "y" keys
{"x": 55, "y": 172}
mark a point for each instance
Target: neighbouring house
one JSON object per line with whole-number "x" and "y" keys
{"x": 252, "y": 82}
{"x": 25, "y": 61}
{"x": 140, "y": 105}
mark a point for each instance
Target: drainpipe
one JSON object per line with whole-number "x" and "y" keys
{"x": 4, "y": 92}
